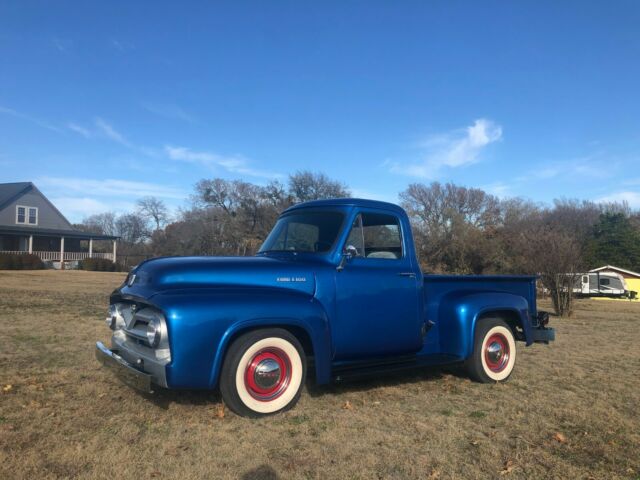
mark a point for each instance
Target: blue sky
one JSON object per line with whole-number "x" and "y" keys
{"x": 104, "y": 102}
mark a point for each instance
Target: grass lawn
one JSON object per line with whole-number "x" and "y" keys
{"x": 570, "y": 410}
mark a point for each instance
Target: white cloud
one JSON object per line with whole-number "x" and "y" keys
{"x": 76, "y": 208}
{"x": 454, "y": 149}
{"x": 61, "y": 44}
{"x": 22, "y": 116}
{"x": 111, "y": 132}
{"x": 106, "y": 129}
{"x": 233, "y": 164}
{"x": 499, "y": 189}
{"x": 120, "y": 45}
{"x": 632, "y": 181}
{"x": 79, "y": 129}
{"x": 373, "y": 195}
{"x": 110, "y": 188}
{"x": 630, "y": 197}
{"x": 547, "y": 172}
{"x": 588, "y": 166}
{"x": 171, "y": 111}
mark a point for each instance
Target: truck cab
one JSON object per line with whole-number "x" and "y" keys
{"x": 336, "y": 287}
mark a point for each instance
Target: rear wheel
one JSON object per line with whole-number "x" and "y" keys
{"x": 494, "y": 352}
{"x": 263, "y": 373}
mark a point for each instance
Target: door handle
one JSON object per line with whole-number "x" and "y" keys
{"x": 407, "y": 274}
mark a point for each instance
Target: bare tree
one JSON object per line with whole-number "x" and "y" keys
{"x": 577, "y": 216}
{"x": 132, "y": 228}
{"x": 101, "y": 223}
{"x": 276, "y": 194}
{"x": 544, "y": 242}
{"x": 453, "y": 227}
{"x": 216, "y": 192}
{"x": 154, "y": 209}
{"x": 306, "y": 185}
{"x": 557, "y": 256}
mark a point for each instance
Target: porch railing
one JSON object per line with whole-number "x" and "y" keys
{"x": 55, "y": 256}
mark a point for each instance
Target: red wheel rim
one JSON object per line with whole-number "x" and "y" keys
{"x": 496, "y": 352}
{"x": 268, "y": 373}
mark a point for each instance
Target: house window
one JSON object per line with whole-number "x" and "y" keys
{"x": 26, "y": 215}
{"x": 33, "y": 216}
{"x": 21, "y": 214}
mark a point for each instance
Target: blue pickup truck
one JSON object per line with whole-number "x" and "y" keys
{"x": 335, "y": 291}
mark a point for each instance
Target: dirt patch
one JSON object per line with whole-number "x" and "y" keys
{"x": 570, "y": 410}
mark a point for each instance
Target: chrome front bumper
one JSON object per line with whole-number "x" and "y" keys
{"x": 124, "y": 370}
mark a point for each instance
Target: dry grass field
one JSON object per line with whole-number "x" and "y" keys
{"x": 569, "y": 411}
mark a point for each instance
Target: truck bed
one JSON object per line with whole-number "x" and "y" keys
{"x": 439, "y": 286}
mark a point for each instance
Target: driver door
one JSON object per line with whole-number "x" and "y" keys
{"x": 377, "y": 292}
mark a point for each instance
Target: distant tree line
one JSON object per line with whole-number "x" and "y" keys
{"x": 457, "y": 229}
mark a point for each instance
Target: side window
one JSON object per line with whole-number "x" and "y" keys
{"x": 382, "y": 237}
{"x": 604, "y": 281}
{"x": 356, "y": 236}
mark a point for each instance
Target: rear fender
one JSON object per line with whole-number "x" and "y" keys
{"x": 463, "y": 311}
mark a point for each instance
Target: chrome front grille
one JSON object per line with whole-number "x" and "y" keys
{"x": 133, "y": 329}
{"x": 136, "y": 328}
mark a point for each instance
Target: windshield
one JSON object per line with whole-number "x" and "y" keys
{"x": 311, "y": 232}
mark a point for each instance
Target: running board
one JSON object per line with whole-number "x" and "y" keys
{"x": 365, "y": 368}
{"x": 382, "y": 367}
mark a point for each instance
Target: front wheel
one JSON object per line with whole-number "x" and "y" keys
{"x": 494, "y": 352}
{"x": 263, "y": 373}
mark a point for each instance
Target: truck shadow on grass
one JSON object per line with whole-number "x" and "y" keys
{"x": 263, "y": 472}
{"x": 366, "y": 383}
{"x": 163, "y": 398}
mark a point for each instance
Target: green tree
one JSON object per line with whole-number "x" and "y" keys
{"x": 614, "y": 241}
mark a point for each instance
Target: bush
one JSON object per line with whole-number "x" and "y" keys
{"x": 98, "y": 265}
{"x": 26, "y": 261}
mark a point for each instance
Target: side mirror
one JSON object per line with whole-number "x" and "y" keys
{"x": 349, "y": 252}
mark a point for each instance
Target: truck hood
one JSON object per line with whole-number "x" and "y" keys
{"x": 168, "y": 273}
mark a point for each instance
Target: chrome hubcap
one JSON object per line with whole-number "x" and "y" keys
{"x": 267, "y": 374}
{"x": 495, "y": 352}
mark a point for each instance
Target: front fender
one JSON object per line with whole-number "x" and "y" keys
{"x": 201, "y": 324}
{"x": 461, "y": 312}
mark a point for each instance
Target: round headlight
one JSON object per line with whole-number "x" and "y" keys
{"x": 154, "y": 332}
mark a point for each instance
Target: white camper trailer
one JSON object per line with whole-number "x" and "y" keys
{"x": 596, "y": 284}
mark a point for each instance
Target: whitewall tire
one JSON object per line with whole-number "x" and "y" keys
{"x": 494, "y": 352}
{"x": 263, "y": 372}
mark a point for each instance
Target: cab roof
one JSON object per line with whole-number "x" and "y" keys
{"x": 347, "y": 202}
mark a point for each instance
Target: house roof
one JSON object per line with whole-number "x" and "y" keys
{"x": 617, "y": 269}
{"x": 11, "y": 191}
{"x": 46, "y": 232}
